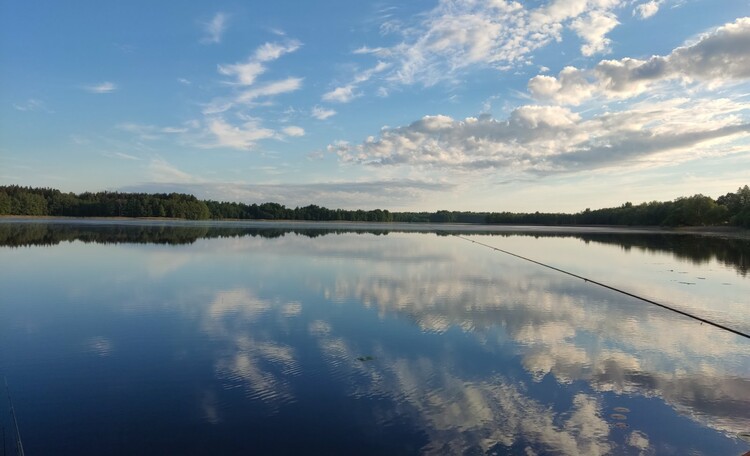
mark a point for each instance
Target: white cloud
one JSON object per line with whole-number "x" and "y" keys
{"x": 215, "y": 28}
{"x": 184, "y": 81}
{"x": 342, "y": 94}
{"x": 593, "y": 28}
{"x": 719, "y": 57}
{"x": 322, "y": 113}
{"x": 552, "y": 139}
{"x": 272, "y": 88}
{"x": 272, "y": 51}
{"x": 293, "y": 131}
{"x": 647, "y": 9}
{"x": 461, "y": 34}
{"x": 241, "y": 137}
{"x": 103, "y": 87}
{"x": 346, "y": 93}
{"x": 245, "y": 73}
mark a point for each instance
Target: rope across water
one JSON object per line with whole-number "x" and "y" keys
{"x": 586, "y": 279}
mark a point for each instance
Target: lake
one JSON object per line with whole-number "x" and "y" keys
{"x": 157, "y": 338}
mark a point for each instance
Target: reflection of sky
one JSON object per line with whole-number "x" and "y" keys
{"x": 471, "y": 349}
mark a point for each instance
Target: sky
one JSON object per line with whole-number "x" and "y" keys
{"x": 494, "y": 105}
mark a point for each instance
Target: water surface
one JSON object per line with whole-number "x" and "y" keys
{"x": 153, "y": 338}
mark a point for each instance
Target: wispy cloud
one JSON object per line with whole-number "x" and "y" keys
{"x": 347, "y": 93}
{"x": 102, "y": 87}
{"x": 122, "y": 156}
{"x": 245, "y": 73}
{"x": 215, "y": 28}
{"x": 322, "y": 113}
{"x": 390, "y": 193}
{"x": 243, "y": 136}
{"x": 163, "y": 171}
{"x": 32, "y": 104}
{"x": 459, "y": 35}
{"x": 293, "y": 131}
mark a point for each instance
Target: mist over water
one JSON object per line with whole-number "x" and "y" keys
{"x": 133, "y": 338}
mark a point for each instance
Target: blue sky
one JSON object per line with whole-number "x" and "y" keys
{"x": 549, "y": 105}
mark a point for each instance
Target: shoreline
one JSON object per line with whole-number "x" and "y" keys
{"x": 713, "y": 231}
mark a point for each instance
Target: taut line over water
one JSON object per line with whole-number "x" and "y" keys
{"x": 19, "y": 445}
{"x": 586, "y": 279}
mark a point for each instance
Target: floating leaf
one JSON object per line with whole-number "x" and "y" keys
{"x": 621, "y": 409}
{"x": 618, "y": 416}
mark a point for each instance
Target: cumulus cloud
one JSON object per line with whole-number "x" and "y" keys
{"x": 593, "y": 29}
{"x": 553, "y": 139}
{"x": 103, "y": 87}
{"x": 718, "y": 57}
{"x": 215, "y": 28}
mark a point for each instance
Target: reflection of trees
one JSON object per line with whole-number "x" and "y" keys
{"x": 733, "y": 252}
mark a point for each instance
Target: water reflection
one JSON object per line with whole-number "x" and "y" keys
{"x": 733, "y": 251}
{"x": 399, "y": 344}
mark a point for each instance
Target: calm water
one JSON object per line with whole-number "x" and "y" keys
{"x": 197, "y": 339}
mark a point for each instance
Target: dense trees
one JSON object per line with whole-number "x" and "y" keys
{"x": 697, "y": 210}
{"x": 15, "y": 200}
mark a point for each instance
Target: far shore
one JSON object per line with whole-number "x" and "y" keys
{"x": 719, "y": 231}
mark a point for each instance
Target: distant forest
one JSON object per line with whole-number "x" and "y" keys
{"x": 696, "y": 210}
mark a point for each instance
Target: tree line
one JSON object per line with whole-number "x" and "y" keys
{"x": 732, "y": 208}
{"x": 732, "y": 252}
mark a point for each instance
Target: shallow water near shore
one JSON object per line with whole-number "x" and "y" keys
{"x": 212, "y": 338}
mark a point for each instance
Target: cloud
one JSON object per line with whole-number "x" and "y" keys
{"x": 242, "y": 136}
{"x": 719, "y": 57}
{"x": 215, "y": 28}
{"x": 593, "y": 28}
{"x": 163, "y": 171}
{"x": 270, "y": 89}
{"x": 272, "y": 51}
{"x": 342, "y": 94}
{"x": 219, "y": 113}
{"x": 322, "y": 113}
{"x": 342, "y": 194}
{"x": 32, "y": 104}
{"x": 293, "y": 131}
{"x": 543, "y": 140}
{"x": 458, "y": 35}
{"x": 245, "y": 73}
{"x": 647, "y": 9}
{"x": 104, "y": 87}
{"x": 346, "y": 93}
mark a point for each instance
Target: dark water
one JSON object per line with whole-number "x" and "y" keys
{"x": 227, "y": 339}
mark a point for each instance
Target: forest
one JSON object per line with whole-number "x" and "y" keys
{"x": 732, "y": 208}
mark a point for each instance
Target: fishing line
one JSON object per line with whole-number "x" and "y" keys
{"x": 586, "y": 279}
{"x": 19, "y": 444}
